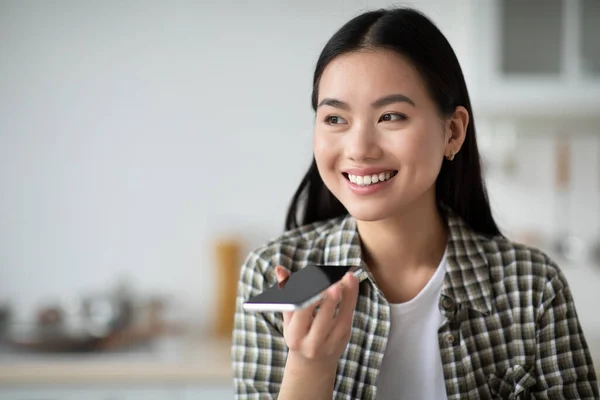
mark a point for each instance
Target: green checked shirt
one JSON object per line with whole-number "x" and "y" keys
{"x": 511, "y": 329}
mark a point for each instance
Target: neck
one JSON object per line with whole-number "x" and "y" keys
{"x": 410, "y": 241}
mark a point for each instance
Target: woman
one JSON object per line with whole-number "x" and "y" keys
{"x": 448, "y": 307}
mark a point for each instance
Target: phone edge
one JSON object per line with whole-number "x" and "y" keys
{"x": 281, "y": 307}
{"x": 284, "y": 307}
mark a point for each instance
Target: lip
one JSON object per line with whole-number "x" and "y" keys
{"x": 367, "y": 171}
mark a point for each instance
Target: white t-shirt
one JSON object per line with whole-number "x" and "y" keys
{"x": 412, "y": 365}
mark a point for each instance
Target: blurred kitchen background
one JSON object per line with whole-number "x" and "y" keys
{"x": 147, "y": 146}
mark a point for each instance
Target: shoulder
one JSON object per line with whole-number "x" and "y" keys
{"x": 509, "y": 264}
{"x": 519, "y": 259}
{"x": 520, "y": 268}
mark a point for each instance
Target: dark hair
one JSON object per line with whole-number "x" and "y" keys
{"x": 460, "y": 184}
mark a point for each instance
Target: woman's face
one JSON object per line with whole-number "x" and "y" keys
{"x": 379, "y": 141}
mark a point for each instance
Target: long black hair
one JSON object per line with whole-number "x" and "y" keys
{"x": 460, "y": 184}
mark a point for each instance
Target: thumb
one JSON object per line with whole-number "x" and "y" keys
{"x": 281, "y": 273}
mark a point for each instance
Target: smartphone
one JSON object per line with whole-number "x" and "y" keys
{"x": 300, "y": 289}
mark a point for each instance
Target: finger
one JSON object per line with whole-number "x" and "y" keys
{"x": 325, "y": 318}
{"x": 282, "y": 274}
{"x": 301, "y": 320}
{"x": 343, "y": 320}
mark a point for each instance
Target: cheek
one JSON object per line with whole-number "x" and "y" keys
{"x": 422, "y": 145}
{"x": 318, "y": 142}
{"x": 327, "y": 154}
{"x": 324, "y": 148}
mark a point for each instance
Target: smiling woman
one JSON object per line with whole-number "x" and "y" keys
{"x": 447, "y": 306}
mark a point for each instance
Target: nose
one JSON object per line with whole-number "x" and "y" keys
{"x": 362, "y": 144}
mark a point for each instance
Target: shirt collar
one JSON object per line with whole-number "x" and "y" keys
{"x": 467, "y": 279}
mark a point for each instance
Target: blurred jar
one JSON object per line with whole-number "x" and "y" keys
{"x": 228, "y": 260}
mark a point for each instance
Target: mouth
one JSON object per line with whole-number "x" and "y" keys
{"x": 371, "y": 179}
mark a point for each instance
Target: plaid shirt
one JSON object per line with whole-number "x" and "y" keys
{"x": 511, "y": 329}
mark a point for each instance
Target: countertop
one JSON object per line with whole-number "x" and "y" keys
{"x": 185, "y": 360}
{"x": 172, "y": 360}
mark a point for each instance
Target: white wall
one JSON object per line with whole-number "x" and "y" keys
{"x": 132, "y": 132}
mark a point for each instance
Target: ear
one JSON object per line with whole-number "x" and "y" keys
{"x": 456, "y": 131}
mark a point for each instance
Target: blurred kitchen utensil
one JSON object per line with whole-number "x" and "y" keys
{"x": 90, "y": 326}
{"x": 595, "y": 247}
{"x": 39, "y": 339}
{"x": 596, "y": 253}
{"x": 100, "y": 321}
{"x": 111, "y": 311}
{"x": 5, "y": 315}
{"x": 566, "y": 244}
{"x": 49, "y": 316}
{"x": 33, "y": 339}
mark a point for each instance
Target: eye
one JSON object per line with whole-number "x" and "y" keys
{"x": 334, "y": 120}
{"x": 390, "y": 117}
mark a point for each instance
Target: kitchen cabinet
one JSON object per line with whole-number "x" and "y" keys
{"x": 535, "y": 58}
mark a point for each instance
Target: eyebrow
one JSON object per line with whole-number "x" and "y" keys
{"x": 384, "y": 101}
{"x": 391, "y": 99}
{"x": 334, "y": 103}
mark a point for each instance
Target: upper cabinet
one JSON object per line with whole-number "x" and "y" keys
{"x": 535, "y": 57}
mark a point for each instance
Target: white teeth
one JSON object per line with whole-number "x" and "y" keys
{"x": 369, "y": 179}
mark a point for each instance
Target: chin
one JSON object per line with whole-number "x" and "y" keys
{"x": 368, "y": 214}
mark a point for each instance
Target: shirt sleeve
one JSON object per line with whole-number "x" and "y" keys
{"x": 259, "y": 351}
{"x": 564, "y": 365}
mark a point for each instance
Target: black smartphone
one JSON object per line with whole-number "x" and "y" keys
{"x": 300, "y": 289}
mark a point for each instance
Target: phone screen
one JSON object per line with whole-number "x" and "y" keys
{"x": 300, "y": 287}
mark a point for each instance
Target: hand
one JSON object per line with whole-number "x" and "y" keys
{"x": 322, "y": 336}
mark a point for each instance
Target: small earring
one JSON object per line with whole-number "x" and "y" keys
{"x": 450, "y": 157}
